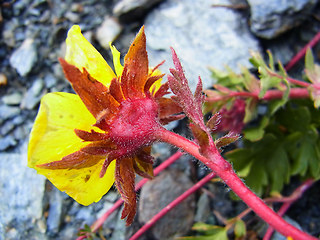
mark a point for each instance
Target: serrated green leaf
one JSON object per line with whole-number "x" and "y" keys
{"x": 294, "y": 119}
{"x": 312, "y": 70}
{"x": 256, "y": 133}
{"x": 239, "y": 158}
{"x": 276, "y": 104}
{"x": 309, "y": 61}
{"x": 304, "y": 151}
{"x": 240, "y": 228}
{"x": 315, "y": 96}
{"x": 210, "y": 232}
{"x": 282, "y": 70}
{"x": 268, "y": 162}
{"x": 256, "y": 59}
{"x": 250, "y": 82}
{"x": 250, "y": 110}
{"x": 271, "y": 62}
{"x": 226, "y": 140}
{"x": 278, "y": 169}
{"x": 267, "y": 82}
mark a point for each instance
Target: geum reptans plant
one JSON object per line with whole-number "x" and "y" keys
{"x": 103, "y": 135}
{"x": 86, "y": 142}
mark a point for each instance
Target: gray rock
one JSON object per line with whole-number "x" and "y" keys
{"x": 25, "y": 57}
{"x": 203, "y": 208}
{"x": 55, "y": 211}
{"x": 271, "y": 18}
{"x": 73, "y": 17}
{"x": 6, "y": 127}
{"x": 108, "y": 31}
{"x": 157, "y": 194}
{"x": 7, "y": 112}
{"x": 119, "y": 230}
{"x": 33, "y": 95}
{"x": 12, "y": 99}
{"x": 6, "y": 142}
{"x": 50, "y": 81}
{"x": 21, "y": 191}
{"x": 219, "y": 37}
{"x": 20, "y": 132}
{"x": 133, "y": 9}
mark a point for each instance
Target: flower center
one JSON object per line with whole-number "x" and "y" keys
{"x": 134, "y": 124}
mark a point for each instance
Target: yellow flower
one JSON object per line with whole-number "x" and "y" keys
{"x": 84, "y": 143}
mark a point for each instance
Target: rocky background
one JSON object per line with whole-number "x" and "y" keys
{"x": 203, "y": 32}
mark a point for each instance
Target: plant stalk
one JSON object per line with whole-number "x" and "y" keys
{"x": 224, "y": 170}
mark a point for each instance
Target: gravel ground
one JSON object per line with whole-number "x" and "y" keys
{"x": 32, "y": 38}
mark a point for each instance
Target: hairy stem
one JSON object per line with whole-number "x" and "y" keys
{"x": 303, "y": 51}
{"x": 224, "y": 170}
{"x": 270, "y": 95}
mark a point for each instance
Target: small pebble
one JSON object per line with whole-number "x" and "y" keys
{"x": 25, "y": 57}
{"x": 12, "y": 99}
{"x": 108, "y": 32}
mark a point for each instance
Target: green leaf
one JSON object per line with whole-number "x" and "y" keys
{"x": 256, "y": 133}
{"x": 278, "y": 169}
{"x": 294, "y": 119}
{"x": 240, "y": 228}
{"x": 276, "y": 104}
{"x": 256, "y": 59}
{"x": 250, "y": 110}
{"x": 226, "y": 140}
{"x": 271, "y": 62}
{"x": 250, "y": 82}
{"x": 210, "y": 232}
{"x": 312, "y": 70}
{"x": 304, "y": 151}
{"x": 266, "y": 163}
{"x": 309, "y": 60}
{"x": 267, "y": 82}
{"x": 239, "y": 157}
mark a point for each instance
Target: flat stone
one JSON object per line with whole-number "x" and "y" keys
{"x": 33, "y": 95}
{"x": 6, "y": 142}
{"x": 218, "y": 38}
{"x": 6, "y": 127}
{"x": 270, "y": 19}
{"x": 7, "y": 112}
{"x": 203, "y": 208}
{"x": 55, "y": 211}
{"x": 108, "y": 31}
{"x": 128, "y": 10}
{"x": 157, "y": 194}
{"x": 12, "y": 99}
{"x": 50, "y": 81}
{"x": 21, "y": 191}
{"x": 25, "y": 57}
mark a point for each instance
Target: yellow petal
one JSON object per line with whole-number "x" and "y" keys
{"x": 53, "y": 137}
{"x": 116, "y": 60}
{"x": 82, "y": 54}
{"x": 157, "y": 83}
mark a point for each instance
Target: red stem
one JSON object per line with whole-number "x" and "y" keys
{"x": 270, "y": 94}
{"x": 97, "y": 224}
{"x": 294, "y": 93}
{"x": 170, "y": 206}
{"x": 303, "y": 51}
{"x": 294, "y": 196}
{"x": 224, "y": 170}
